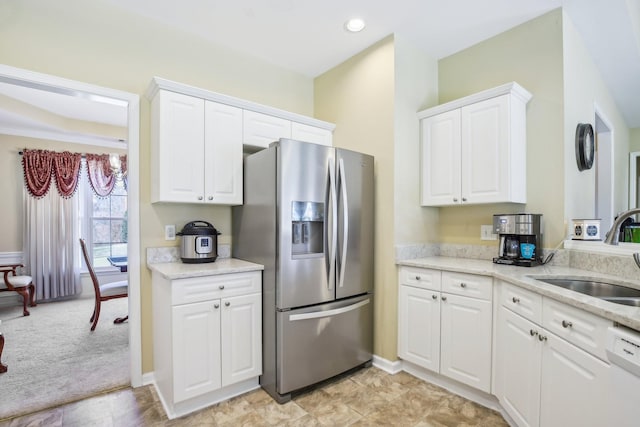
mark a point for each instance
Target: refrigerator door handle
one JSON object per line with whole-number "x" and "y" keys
{"x": 332, "y": 232}
{"x": 345, "y": 221}
{"x": 328, "y": 313}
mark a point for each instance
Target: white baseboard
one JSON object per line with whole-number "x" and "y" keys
{"x": 387, "y": 365}
{"x": 148, "y": 378}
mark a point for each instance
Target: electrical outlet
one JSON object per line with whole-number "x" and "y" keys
{"x": 170, "y": 232}
{"x": 486, "y": 233}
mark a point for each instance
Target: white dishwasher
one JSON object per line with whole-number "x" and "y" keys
{"x": 623, "y": 351}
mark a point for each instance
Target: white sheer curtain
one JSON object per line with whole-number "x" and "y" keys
{"x": 50, "y": 242}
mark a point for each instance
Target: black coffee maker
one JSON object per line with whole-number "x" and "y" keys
{"x": 520, "y": 239}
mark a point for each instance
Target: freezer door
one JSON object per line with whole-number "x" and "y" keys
{"x": 306, "y": 230}
{"x": 317, "y": 343}
{"x": 355, "y": 193}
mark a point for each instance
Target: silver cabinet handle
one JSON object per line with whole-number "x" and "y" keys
{"x": 444, "y": 298}
{"x": 221, "y": 287}
{"x": 515, "y": 300}
{"x": 463, "y": 285}
{"x": 216, "y": 305}
{"x": 227, "y": 304}
{"x": 533, "y": 333}
{"x": 566, "y": 324}
{"x": 434, "y": 296}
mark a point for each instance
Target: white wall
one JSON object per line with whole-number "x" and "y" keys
{"x": 584, "y": 89}
{"x": 416, "y": 88}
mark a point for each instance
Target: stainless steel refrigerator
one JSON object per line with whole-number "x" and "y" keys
{"x": 308, "y": 218}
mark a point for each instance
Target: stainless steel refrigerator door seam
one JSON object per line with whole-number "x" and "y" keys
{"x": 328, "y": 313}
{"x": 345, "y": 221}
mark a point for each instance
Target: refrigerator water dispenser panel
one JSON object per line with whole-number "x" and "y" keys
{"x": 307, "y": 228}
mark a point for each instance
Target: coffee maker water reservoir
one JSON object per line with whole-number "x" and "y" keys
{"x": 520, "y": 239}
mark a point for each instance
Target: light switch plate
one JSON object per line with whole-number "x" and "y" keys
{"x": 170, "y": 232}
{"x": 486, "y": 233}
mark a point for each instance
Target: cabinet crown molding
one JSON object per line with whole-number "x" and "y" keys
{"x": 512, "y": 88}
{"x": 158, "y": 83}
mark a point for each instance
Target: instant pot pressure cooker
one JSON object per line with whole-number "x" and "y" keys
{"x": 199, "y": 242}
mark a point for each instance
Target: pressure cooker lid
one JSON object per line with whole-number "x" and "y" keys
{"x": 198, "y": 228}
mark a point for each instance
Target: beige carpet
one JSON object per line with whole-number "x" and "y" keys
{"x": 53, "y": 357}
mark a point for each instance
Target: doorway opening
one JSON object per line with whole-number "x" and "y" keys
{"x": 48, "y": 84}
{"x": 604, "y": 171}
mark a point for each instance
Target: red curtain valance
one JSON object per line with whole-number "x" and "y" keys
{"x": 40, "y": 166}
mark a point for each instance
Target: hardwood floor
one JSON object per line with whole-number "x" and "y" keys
{"x": 369, "y": 397}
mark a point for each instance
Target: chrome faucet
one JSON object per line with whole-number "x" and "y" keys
{"x": 613, "y": 235}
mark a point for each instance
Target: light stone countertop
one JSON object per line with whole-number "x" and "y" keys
{"x": 179, "y": 270}
{"x": 525, "y": 278}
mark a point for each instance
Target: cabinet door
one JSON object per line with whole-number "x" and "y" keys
{"x": 196, "y": 349}
{"x": 518, "y": 368}
{"x": 465, "y": 333}
{"x": 223, "y": 154}
{"x": 241, "y": 338}
{"x": 419, "y": 327}
{"x": 574, "y": 386}
{"x": 313, "y": 134}
{"x": 260, "y": 130}
{"x": 177, "y": 148}
{"x": 485, "y": 151}
{"x": 441, "y": 159}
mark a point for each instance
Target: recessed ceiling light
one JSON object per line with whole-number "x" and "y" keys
{"x": 354, "y": 25}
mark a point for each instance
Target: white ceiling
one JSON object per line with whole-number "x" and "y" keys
{"x": 308, "y": 36}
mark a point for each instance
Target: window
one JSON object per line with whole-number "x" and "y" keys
{"x": 104, "y": 223}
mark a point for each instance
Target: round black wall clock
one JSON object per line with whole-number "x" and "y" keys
{"x": 585, "y": 147}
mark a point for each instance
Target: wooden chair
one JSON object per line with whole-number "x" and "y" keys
{"x": 21, "y": 284}
{"x": 104, "y": 292}
{"x": 3, "y": 368}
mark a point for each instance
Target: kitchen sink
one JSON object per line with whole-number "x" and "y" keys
{"x": 603, "y": 290}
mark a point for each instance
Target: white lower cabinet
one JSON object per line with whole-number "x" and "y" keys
{"x": 518, "y": 369}
{"x": 545, "y": 380}
{"x": 216, "y": 343}
{"x": 465, "y": 340}
{"x": 196, "y": 347}
{"x": 419, "y": 327}
{"x": 207, "y": 338}
{"x": 445, "y": 332}
{"x": 574, "y": 387}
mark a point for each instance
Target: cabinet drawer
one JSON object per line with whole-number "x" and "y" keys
{"x": 206, "y": 288}
{"x": 420, "y": 278}
{"x": 469, "y": 285}
{"x": 526, "y": 303}
{"x": 585, "y": 330}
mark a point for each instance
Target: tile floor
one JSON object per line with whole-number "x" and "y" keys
{"x": 369, "y": 397}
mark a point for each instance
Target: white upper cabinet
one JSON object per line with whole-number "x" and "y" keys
{"x": 223, "y": 154}
{"x": 313, "y": 134}
{"x": 196, "y": 150}
{"x": 441, "y": 159}
{"x": 260, "y": 130}
{"x": 177, "y": 148}
{"x": 474, "y": 149}
{"x": 198, "y": 138}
